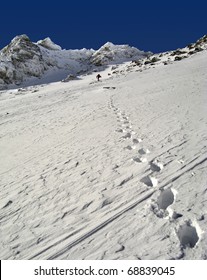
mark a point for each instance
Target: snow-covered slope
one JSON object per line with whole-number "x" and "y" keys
{"x": 114, "y": 169}
{"x": 23, "y": 62}
{"x": 110, "y": 53}
{"x": 166, "y": 58}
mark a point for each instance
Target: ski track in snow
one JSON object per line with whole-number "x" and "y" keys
{"x": 109, "y": 170}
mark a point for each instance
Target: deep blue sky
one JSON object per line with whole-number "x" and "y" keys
{"x": 151, "y": 26}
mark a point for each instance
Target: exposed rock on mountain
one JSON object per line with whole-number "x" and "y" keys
{"x": 168, "y": 57}
{"x": 20, "y": 59}
{"x": 23, "y": 60}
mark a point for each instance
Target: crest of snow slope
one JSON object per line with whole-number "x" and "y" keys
{"x": 166, "y": 58}
{"x": 107, "y": 170}
{"x": 25, "y": 63}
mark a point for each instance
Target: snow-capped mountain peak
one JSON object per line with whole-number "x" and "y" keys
{"x": 23, "y": 60}
{"x": 49, "y": 44}
{"x": 110, "y": 53}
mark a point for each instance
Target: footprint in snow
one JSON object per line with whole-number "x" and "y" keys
{"x": 136, "y": 140}
{"x": 166, "y": 198}
{"x": 133, "y": 147}
{"x": 156, "y": 166}
{"x": 143, "y": 151}
{"x": 161, "y": 207}
{"x": 187, "y": 235}
{"x": 121, "y": 130}
{"x": 128, "y": 126}
{"x": 149, "y": 181}
{"x": 125, "y": 118}
{"x": 127, "y": 136}
{"x": 139, "y": 159}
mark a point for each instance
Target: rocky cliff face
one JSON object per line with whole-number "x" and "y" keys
{"x": 19, "y": 59}
{"x": 23, "y": 59}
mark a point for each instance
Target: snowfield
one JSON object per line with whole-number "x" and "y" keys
{"x": 114, "y": 169}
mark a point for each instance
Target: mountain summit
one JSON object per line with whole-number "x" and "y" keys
{"x": 48, "y": 44}
{"x": 22, "y": 60}
{"x": 116, "y": 53}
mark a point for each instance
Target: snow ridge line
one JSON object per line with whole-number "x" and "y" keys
{"x": 92, "y": 230}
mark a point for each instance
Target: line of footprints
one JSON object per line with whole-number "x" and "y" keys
{"x": 186, "y": 233}
{"x": 125, "y": 128}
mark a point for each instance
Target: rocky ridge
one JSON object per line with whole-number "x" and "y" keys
{"x": 166, "y": 58}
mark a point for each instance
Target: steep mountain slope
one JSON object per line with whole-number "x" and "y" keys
{"x": 114, "y": 169}
{"x": 20, "y": 57}
{"x": 166, "y": 58}
{"x": 23, "y": 60}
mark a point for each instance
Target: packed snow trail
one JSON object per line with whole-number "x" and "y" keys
{"x": 106, "y": 170}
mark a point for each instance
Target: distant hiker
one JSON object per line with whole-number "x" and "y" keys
{"x": 98, "y": 77}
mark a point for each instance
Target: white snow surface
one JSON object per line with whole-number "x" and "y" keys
{"x": 114, "y": 169}
{"x": 110, "y": 53}
{"x": 49, "y": 44}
